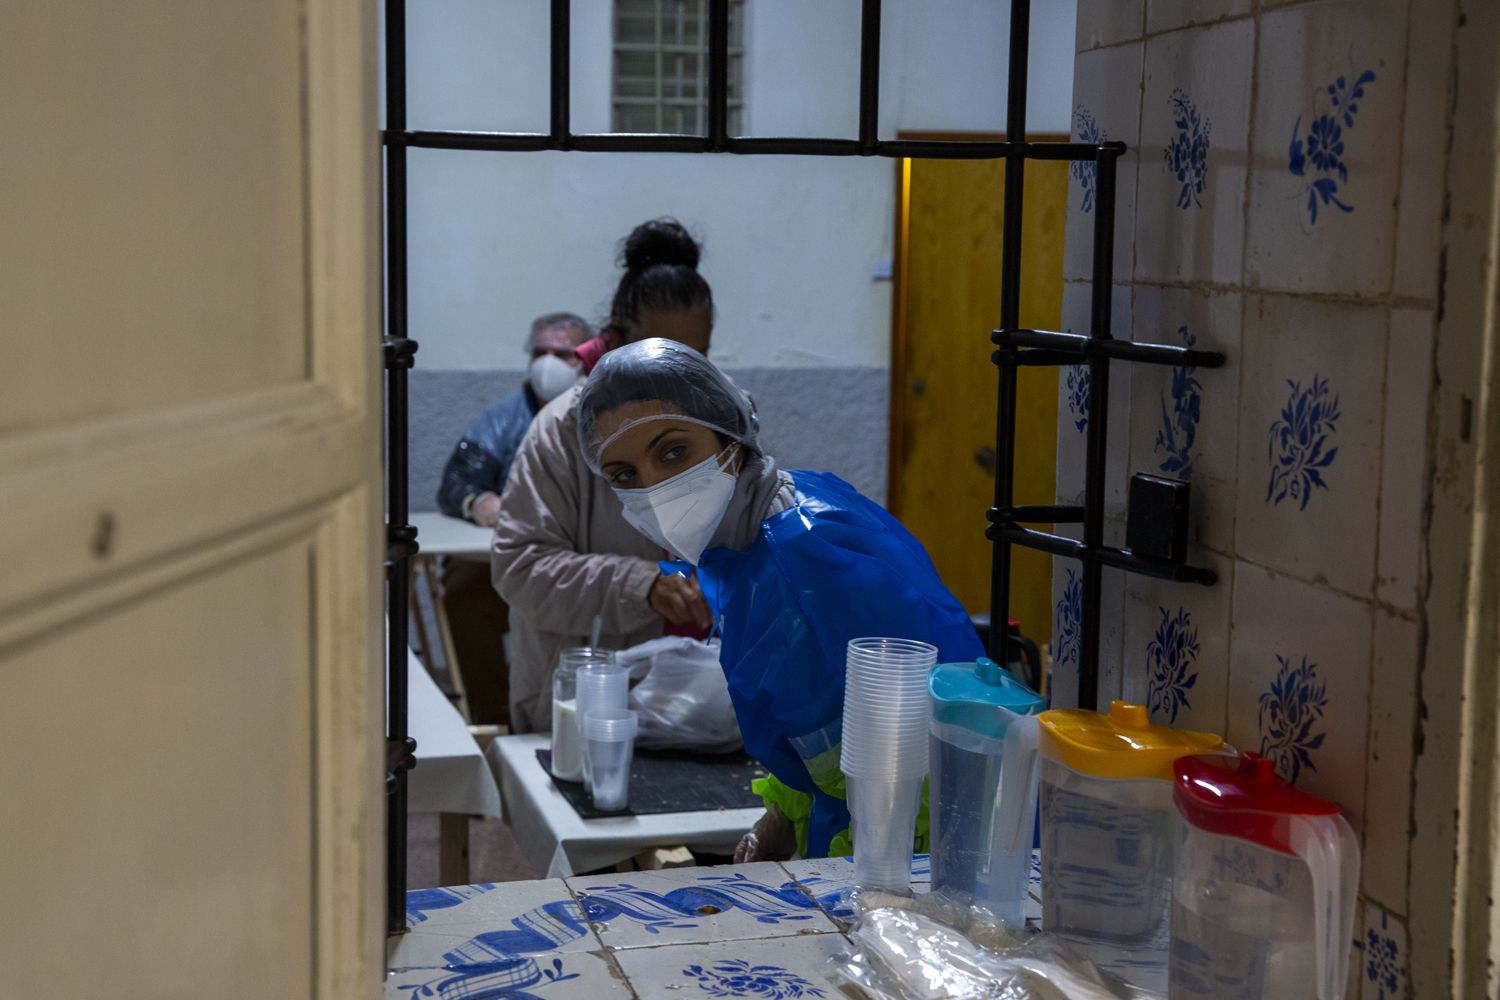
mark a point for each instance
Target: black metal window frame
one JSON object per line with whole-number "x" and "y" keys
{"x": 1014, "y": 345}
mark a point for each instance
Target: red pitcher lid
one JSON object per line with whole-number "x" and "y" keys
{"x": 1242, "y": 797}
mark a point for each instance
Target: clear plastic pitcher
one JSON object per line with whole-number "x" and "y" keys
{"x": 1107, "y": 829}
{"x": 983, "y": 785}
{"x": 1264, "y": 887}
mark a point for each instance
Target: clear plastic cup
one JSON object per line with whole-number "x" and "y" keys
{"x": 602, "y": 686}
{"x": 884, "y": 813}
{"x": 610, "y": 748}
{"x": 886, "y": 708}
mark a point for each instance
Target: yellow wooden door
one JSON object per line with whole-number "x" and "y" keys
{"x": 190, "y": 634}
{"x": 943, "y": 405}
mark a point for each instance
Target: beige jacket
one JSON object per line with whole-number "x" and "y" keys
{"x": 562, "y": 553}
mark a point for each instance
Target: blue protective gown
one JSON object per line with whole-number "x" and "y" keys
{"x": 833, "y": 567}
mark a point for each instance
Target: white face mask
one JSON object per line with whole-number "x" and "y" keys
{"x": 681, "y": 514}
{"x": 550, "y": 377}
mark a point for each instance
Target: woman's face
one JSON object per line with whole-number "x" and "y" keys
{"x": 652, "y": 452}
{"x": 693, "y": 327}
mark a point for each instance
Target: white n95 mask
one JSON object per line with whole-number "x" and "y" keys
{"x": 681, "y": 514}
{"x": 550, "y": 377}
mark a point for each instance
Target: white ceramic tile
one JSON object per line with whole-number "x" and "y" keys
{"x": 1403, "y": 456}
{"x": 1067, "y": 609}
{"x": 1393, "y": 700}
{"x": 1195, "y": 128}
{"x": 1383, "y": 956}
{"x": 690, "y": 905}
{"x": 1108, "y": 22}
{"x": 1073, "y": 387}
{"x": 1312, "y": 156}
{"x": 1060, "y": 687}
{"x": 1299, "y": 677}
{"x": 536, "y": 915}
{"x": 1165, "y": 15}
{"x": 571, "y": 976}
{"x": 789, "y": 969}
{"x": 1177, "y": 647}
{"x": 830, "y": 881}
{"x": 1423, "y": 155}
{"x": 1106, "y": 106}
{"x": 1309, "y": 473}
{"x": 1185, "y": 423}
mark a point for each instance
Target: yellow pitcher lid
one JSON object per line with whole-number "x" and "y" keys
{"x": 1122, "y": 744}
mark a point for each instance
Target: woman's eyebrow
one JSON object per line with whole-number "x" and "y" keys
{"x": 669, "y": 430}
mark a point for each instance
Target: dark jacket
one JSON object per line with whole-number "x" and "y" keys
{"x": 481, "y": 461}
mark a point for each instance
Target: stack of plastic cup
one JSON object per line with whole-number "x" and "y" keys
{"x": 602, "y": 686}
{"x": 884, "y": 756}
{"x": 610, "y": 747}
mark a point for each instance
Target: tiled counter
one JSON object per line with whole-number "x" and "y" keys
{"x": 761, "y": 930}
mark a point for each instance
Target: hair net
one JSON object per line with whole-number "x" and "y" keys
{"x": 674, "y": 381}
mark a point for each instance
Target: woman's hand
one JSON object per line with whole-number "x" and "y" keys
{"x": 772, "y": 838}
{"x": 680, "y": 601}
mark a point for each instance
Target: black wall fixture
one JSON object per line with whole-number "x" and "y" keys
{"x": 1015, "y": 346}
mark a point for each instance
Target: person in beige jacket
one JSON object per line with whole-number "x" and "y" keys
{"x": 562, "y": 552}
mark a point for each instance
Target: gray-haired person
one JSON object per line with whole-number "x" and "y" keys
{"x": 472, "y": 483}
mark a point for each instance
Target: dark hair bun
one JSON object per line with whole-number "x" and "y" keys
{"x": 660, "y": 241}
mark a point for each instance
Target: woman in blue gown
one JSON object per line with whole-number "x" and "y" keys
{"x": 793, "y": 564}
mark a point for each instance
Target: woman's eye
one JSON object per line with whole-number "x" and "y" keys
{"x": 673, "y": 453}
{"x": 622, "y": 477}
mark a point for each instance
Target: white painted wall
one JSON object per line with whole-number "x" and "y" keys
{"x": 791, "y": 243}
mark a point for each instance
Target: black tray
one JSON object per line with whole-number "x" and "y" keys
{"x": 670, "y": 781}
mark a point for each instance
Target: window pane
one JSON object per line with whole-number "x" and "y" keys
{"x": 637, "y": 28}
{"x": 661, "y": 57}
{"x": 679, "y": 76}
{"x": 635, "y": 118}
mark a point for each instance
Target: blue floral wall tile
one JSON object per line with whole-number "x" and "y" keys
{"x": 641, "y": 909}
{"x": 490, "y": 923}
{"x": 1393, "y": 706}
{"x": 1299, "y": 677}
{"x": 1067, "y": 609}
{"x": 573, "y": 976}
{"x": 783, "y": 969}
{"x": 1177, "y": 648}
{"x": 1302, "y": 442}
{"x": 1106, "y": 106}
{"x": 1311, "y": 417}
{"x": 1323, "y": 185}
{"x": 1195, "y": 126}
{"x": 1184, "y": 420}
{"x": 1074, "y": 391}
{"x": 1172, "y": 664}
{"x": 1382, "y": 956}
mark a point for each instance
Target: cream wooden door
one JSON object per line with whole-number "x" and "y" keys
{"x": 190, "y": 635}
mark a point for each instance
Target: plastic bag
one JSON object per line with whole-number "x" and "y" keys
{"x": 910, "y": 952}
{"x": 682, "y": 699}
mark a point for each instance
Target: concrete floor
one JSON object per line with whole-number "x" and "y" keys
{"x": 493, "y": 853}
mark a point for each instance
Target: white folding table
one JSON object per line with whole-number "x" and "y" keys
{"x": 441, "y": 535}
{"x": 557, "y": 841}
{"x": 451, "y": 777}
